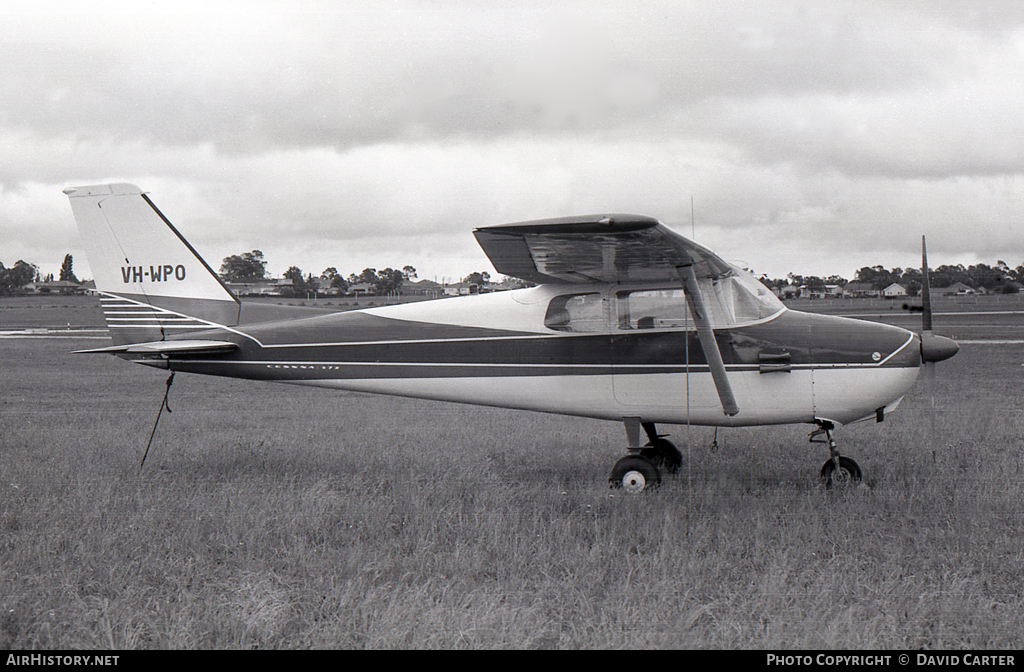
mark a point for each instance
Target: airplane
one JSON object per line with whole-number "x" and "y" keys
{"x": 627, "y": 321}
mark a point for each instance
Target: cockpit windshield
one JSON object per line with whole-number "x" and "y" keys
{"x": 740, "y": 297}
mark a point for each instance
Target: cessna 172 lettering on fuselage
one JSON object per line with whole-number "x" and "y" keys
{"x": 629, "y": 321}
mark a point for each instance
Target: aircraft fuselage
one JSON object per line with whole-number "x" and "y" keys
{"x": 500, "y": 349}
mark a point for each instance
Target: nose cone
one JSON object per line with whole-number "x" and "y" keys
{"x": 937, "y": 348}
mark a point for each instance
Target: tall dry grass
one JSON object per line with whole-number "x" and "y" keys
{"x": 276, "y": 516}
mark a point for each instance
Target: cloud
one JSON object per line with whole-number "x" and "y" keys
{"x": 811, "y": 136}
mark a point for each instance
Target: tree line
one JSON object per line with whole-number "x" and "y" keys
{"x": 993, "y": 279}
{"x": 22, "y": 273}
{"x": 251, "y": 267}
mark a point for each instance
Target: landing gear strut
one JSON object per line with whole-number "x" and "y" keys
{"x": 640, "y": 470}
{"x": 837, "y": 471}
{"x": 659, "y": 450}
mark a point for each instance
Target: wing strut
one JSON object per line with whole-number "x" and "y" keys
{"x": 707, "y": 340}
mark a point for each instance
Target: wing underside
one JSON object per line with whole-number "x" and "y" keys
{"x": 596, "y": 248}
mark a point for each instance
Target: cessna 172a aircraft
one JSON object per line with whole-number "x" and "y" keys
{"x": 629, "y": 322}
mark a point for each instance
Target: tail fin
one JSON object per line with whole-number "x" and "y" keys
{"x": 153, "y": 282}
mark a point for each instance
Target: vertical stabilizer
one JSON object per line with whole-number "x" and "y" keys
{"x": 153, "y": 283}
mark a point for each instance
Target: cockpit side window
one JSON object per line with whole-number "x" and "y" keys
{"x": 577, "y": 313}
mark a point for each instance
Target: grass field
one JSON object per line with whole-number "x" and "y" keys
{"x": 276, "y": 516}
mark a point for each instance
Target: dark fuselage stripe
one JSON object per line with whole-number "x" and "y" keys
{"x": 366, "y": 345}
{"x": 287, "y": 370}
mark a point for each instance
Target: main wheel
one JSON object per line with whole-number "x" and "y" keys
{"x": 663, "y": 454}
{"x": 634, "y": 474}
{"x": 848, "y": 473}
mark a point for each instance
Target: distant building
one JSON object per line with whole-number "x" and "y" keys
{"x": 324, "y": 286}
{"x": 462, "y": 289}
{"x": 854, "y": 290}
{"x": 894, "y": 290}
{"x": 55, "y": 287}
{"x": 958, "y": 288}
{"x": 423, "y": 288}
{"x": 272, "y": 287}
{"x": 826, "y": 292}
{"x": 360, "y": 289}
{"x": 508, "y": 283}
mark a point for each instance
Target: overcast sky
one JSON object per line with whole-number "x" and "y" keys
{"x": 813, "y": 137}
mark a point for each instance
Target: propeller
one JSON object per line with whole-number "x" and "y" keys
{"x": 933, "y": 348}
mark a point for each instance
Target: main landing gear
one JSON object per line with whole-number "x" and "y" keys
{"x": 640, "y": 470}
{"x": 838, "y": 471}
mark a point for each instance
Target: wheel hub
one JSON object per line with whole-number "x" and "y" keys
{"x": 634, "y": 482}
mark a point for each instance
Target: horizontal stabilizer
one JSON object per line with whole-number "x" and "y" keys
{"x": 168, "y": 348}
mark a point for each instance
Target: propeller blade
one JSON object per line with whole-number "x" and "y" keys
{"x": 927, "y": 339}
{"x": 933, "y": 348}
{"x": 929, "y": 386}
{"x": 929, "y": 379}
{"x": 926, "y": 292}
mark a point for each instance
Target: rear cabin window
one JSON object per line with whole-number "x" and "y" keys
{"x": 578, "y": 313}
{"x": 653, "y": 309}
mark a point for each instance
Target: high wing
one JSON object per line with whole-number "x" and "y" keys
{"x": 596, "y": 248}
{"x": 613, "y": 248}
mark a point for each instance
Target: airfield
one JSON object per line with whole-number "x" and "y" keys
{"x": 275, "y": 516}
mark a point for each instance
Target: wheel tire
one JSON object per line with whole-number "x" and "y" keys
{"x": 849, "y": 473}
{"x": 634, "y": 474}
{"x": 663, "y": 454}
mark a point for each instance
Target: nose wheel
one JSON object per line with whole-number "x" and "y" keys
{"x": 838, "y": 471}
{"x": 847, "y": 474}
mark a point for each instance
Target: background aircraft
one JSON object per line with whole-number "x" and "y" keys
{"x": 629, "y": 322}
